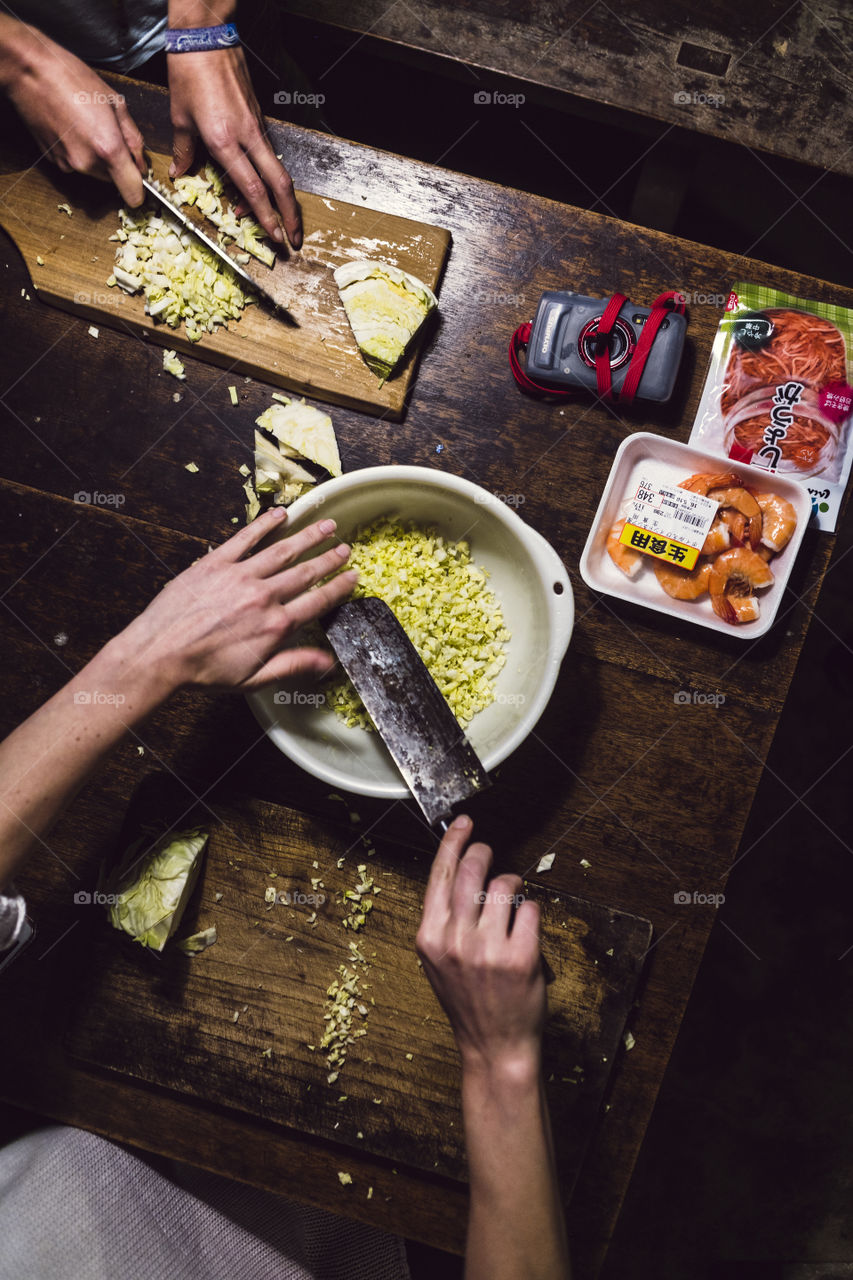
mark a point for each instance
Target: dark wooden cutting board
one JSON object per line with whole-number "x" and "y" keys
{"x": 169, "y": 1019}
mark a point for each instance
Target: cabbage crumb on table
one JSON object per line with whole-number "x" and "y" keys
{"x": 173, "y": 365}
{"x": 444, "y": 604}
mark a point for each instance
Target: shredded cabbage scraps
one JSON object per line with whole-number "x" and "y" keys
{"x": 300, "y": 434}
{"x": 303, "y": 432}
{"x": 442, "y": 601}
{"x": 181, "y": 279}
{"x": 173, "y": 365}
{"x": 198, "y": 941}
{"x": 278, "y": 474}
{"x": 204, "y": 191}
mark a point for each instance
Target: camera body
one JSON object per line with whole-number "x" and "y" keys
{"x": 561, "y": 347}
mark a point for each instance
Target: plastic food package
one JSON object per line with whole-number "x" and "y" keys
{"x": 777, "y": 394}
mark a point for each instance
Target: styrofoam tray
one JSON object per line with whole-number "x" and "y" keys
{"x": 669, "y": 462}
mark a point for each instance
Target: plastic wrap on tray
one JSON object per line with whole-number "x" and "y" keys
{"x": 777, "y": 394}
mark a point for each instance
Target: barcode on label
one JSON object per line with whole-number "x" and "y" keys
{"x": 688, "y": 519}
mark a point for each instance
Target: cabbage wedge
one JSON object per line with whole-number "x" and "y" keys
{"x": 151, "y": 894}
{"x": 385, "y": 307}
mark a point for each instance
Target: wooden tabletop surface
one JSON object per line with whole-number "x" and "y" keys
{"x": 653, "y": 794}
{"x": 769, "y": 76}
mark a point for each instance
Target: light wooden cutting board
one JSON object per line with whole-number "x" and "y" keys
{"x": 170, "y": 1019}
{"x": 317, "y": 356}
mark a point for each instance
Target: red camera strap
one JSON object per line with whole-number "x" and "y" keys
{"x": 602, "y": 345}
{"x": 663, "y": 304}
{"x": 660, "y": 307}
{"x": 519, "y": 339}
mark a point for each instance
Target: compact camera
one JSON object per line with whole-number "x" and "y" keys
{"x": 562, "y": 346}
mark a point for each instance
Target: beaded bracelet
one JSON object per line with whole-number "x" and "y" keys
{"x": 201, "y": 39}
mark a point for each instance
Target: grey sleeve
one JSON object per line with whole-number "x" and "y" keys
{"x": 13, "y": 913}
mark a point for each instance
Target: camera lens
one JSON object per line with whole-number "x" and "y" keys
{"x": 621, "y": 343}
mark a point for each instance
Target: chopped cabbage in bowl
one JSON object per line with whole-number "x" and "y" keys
{"x": 444, "y": 604}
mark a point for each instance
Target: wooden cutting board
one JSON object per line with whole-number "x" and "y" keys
{"x": 233, "y": 1025}
{"x": 317, "y": 356}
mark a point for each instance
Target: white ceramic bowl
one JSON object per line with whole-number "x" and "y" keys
{"x": 669, "y": 462}
{"x": 528, "y": 579}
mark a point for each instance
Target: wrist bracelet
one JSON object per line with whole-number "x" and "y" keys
{"x": 201, "y": 39}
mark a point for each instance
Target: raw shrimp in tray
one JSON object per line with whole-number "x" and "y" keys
{"x": 718, "y": 553}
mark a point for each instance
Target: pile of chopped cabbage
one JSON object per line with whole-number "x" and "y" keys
{"x": 204, "y": 191}
{"x": 181, "y": 279}
{"x": 442, "y": 601}
{"x": 300, "y": 434}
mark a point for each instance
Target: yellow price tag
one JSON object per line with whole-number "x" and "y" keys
{"x": 652, "y": 544}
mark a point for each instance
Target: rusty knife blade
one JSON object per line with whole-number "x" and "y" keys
{"x": 407, "y": 707}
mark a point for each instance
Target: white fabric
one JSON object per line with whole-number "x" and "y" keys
{"x": 13, "y": 911}
{"x": 74, "y": 1206}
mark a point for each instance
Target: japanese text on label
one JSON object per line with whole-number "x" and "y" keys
{"x": 668, "y": 522}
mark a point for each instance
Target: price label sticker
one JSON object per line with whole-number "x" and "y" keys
{"x": 668, "y": 523}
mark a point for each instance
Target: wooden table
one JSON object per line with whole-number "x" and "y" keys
{"x": 654, "y": 795}
{"x": 770, "y": 77}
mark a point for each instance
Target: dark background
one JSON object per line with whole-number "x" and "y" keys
{"x": 747, "y": 1167}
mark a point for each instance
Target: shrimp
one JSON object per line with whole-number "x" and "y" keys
{"x": 735, "y": 522}
{"x": 719, "y": 536}
{"x": 736, "y": 498}
{"x": 745, "y": 607}
{"x": 779, "y": 520}
{"x": 683, "y": 584}
{"x": 701, "y": 483}
{"x": 737, "y": 572}
{"x": 625, "y": 558}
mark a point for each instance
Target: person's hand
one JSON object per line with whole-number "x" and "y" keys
{"x": 80, "y": 123}
{"x": 223, "y": 621}
{"x": 484, "y": 965}
{"x": 212, "y": 98}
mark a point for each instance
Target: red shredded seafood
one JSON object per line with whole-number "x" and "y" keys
{"x": 804, "y": 348}
{"x": 805, "y": 441}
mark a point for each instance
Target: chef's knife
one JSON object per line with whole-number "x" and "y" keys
{"x": 407, "y": 707}
{"x": 251, "y": 283}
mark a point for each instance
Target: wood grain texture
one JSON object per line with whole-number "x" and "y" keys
{"x": 70, "y": 258}
{"x": 170, "y": 1020}
{"x": 766, "y": 77}
{"x": 652, "y": 794}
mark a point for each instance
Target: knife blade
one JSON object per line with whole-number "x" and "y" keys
{"x": 407, "y": 707}
{"x": 251, "y": 283}
{"x": 409, "y": 710}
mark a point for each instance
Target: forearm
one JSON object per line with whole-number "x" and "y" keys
{"x": 18, "y": 46}
{"x": 516, "y": 1228}
{"x": 45, "y": 761}
{"x": 200, "y": 13}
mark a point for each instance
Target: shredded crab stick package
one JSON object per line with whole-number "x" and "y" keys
{"x": 778, "y": 395}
